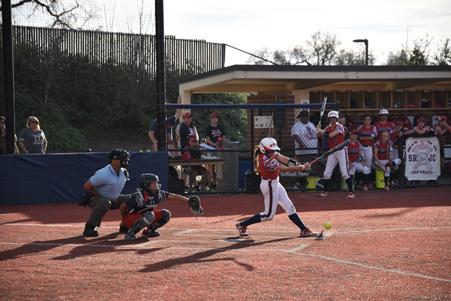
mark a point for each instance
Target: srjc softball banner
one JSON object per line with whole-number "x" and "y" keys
{"x": 422, "y": 159}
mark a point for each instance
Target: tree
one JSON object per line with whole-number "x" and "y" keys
{"x": 443, "y": 54}
{"x": 320, "y": 49}
{"x": 64, "y": 13}
{"x": 346, "y": 57}
{"x": 419, "y": 55}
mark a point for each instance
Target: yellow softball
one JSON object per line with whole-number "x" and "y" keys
{"x": 327, "y": 225}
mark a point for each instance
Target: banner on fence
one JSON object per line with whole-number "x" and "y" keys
{"x": 422, "y": 159}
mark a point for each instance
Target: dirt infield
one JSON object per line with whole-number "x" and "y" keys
{"x": 382, "y": 246}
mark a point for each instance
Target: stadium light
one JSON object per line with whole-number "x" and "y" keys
{"x": 366, "y": 48}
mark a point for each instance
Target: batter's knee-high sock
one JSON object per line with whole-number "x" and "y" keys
{"x": 297, "y": 220}
{"x": 252, "y": 220}
{"x": 350, "y": 184}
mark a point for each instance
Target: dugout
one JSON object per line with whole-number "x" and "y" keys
{"x": 357, "y": 90}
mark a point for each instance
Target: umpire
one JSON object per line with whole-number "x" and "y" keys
{"x": 103, "y": 190}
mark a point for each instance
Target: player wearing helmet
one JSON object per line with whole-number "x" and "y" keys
{"x": 335, "y": 133}
{"x": 269, "y": 167}
{"x": 140, "y": 208}
{"x": 103, "y": 190}
{"x": 383, "y": 125}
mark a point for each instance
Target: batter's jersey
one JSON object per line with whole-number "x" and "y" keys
{"x": 384, "y": 127}
{"x": 354, "y": 151}
{"x": 140, "y": 200}
{"x": 339, "y": 138}
{"x": 268, "y": 166}
{"x": 367, "y": 135}
{"x": 308, "y": 136}
{"x": 384, "y": 149}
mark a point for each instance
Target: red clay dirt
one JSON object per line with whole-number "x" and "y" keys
{"x": 382, "y": 246}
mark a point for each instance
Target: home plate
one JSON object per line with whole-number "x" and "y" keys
{"x": 236, "y": 239}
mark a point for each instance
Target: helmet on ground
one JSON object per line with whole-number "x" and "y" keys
{"x": 121, "y": 155}
{"x": 144, "y": 183}
{"x": 383, "y": 112}
{"x": 268, "y": 145}
{"x": 332, "y": 114}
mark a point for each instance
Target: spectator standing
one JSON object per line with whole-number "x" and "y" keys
{"x": 214, "y": 133}
{"x": 169, "y": 125}
{"x": 185, "y": 130}
{"x": 214, "y": 136}
{"x": 366, "y": 134}
{"x": 32, "y": 139}
{"x": 383, "y": 125}
{"x": 305, "y": 138}
{"x": 2, "y": 135}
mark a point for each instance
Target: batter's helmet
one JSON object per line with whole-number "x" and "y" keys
{"x": 145, "y": 179}
{"x": 121, "y": 155}
{"x": 268, "y": 144}
{"x": 332, "y": 114}
{"x": 383, "y": 112}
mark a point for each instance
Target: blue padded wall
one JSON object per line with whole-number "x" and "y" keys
{"x": 38, "y": 178}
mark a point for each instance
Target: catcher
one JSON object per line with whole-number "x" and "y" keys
{"x": 140, "y": 212}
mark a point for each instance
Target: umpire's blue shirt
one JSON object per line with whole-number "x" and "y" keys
{"x": 108, "y": 183}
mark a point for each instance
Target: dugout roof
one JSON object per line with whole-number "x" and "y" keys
{"x": 272, "y": 78}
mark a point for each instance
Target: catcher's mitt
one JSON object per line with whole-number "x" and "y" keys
{"x": 194, "y": 205}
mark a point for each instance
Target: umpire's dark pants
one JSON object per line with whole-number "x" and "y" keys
{"x": 101, "y": 205}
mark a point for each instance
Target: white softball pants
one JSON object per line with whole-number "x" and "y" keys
{"x": 359, "y": 167}
{"x": 367, "y": 152}
{"x": 381, "y": 164}
{"x": 274, "y": 194}
{"x": 340, "y": 157}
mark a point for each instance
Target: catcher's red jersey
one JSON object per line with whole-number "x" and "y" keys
{"x": 268, "y": 166}
{"x": 353, "y": 151}
{"x": 338, "y": 139}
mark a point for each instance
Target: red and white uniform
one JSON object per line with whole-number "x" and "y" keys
{"x": 354, "y": 156}
{"x": 340, "y": 157}
{"x": 273, "y": 192}
{"x": 367, "y": 137}
{"x": 383, "y": 154}
{"x": 387, "y": 126}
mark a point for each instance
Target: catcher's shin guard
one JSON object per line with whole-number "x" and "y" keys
{"x": 162, "y": 217}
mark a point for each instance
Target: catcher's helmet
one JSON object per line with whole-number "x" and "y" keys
{"x": 121, "y": 155}
{"x": 332, "y": 114}
{"x": 145, "y": 179}
{"x": 268, "y": 145}
{"x": 383, "y": 112}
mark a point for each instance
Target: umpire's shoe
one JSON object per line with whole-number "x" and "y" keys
{"x": 89, "y": 231}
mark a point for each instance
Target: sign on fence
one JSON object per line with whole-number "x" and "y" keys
{"x": 422, "y": 159}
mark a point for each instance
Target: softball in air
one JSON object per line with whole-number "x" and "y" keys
{"x": 327, "y": 225}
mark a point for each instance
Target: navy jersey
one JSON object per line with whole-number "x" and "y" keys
{"x": 141, "y": 201}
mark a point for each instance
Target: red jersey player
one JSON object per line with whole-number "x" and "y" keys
{"x": 367, "y": 134}
{"x": 383, "y": 156}
{"x": 269, "y": 166}
{"x": 383, "y": 125}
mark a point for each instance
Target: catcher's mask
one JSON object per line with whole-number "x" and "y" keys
{"x": 122, "y": 155}
{"x": 146, "y": 179}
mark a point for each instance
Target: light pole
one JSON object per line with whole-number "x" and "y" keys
{"x": 366, "y": 48}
